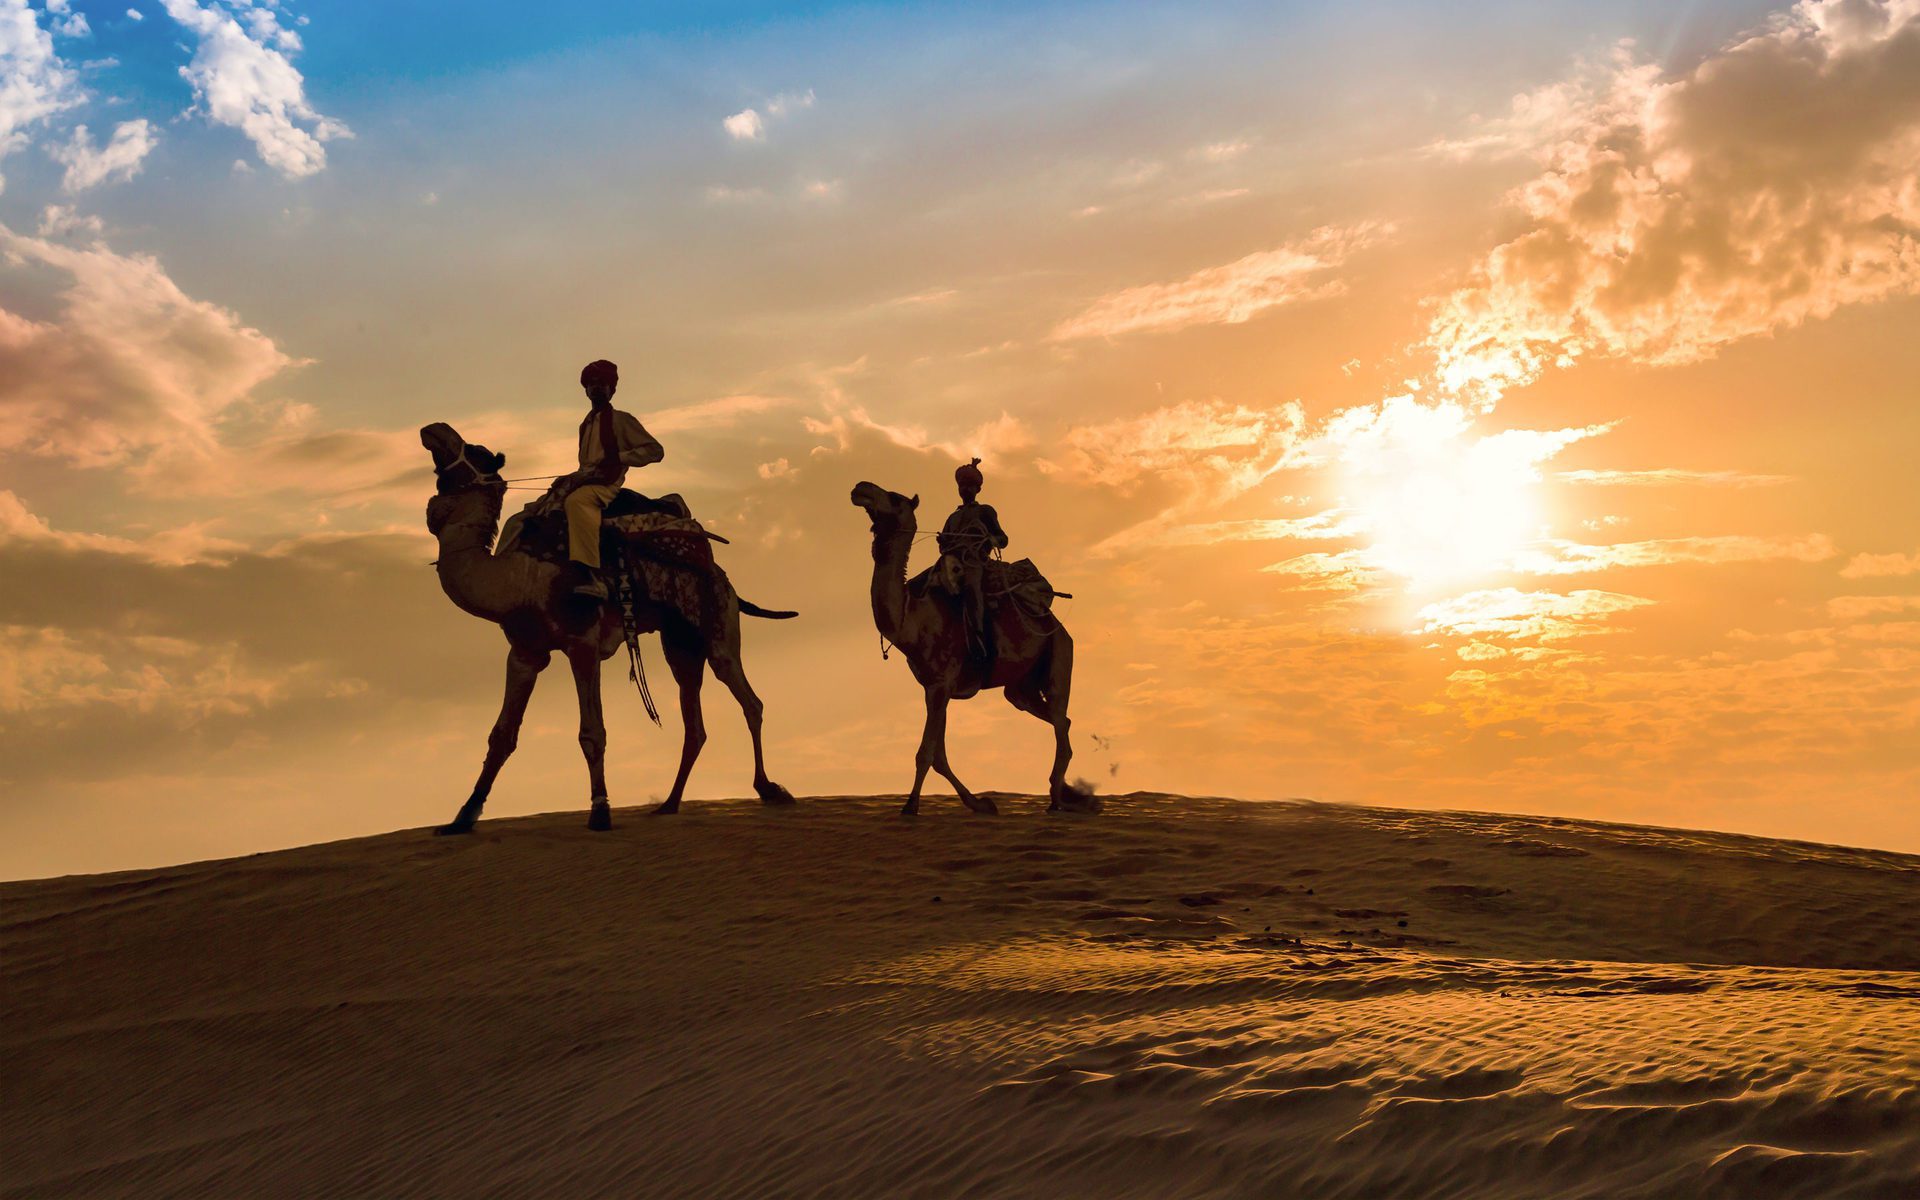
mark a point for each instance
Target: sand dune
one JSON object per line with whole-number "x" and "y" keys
{"x": 1178, "y": 998}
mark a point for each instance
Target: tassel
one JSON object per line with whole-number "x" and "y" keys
{"x": 637, "y": 671}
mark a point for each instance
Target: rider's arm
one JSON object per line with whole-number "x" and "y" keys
{"x": 991, "y": 520}
{"x": 638, "y": 448}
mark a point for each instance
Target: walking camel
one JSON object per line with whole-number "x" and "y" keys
{"x": 1034, "y": 669}
{"x": 531, "y": 602}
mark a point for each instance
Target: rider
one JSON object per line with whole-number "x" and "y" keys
{"x": 968, "y": 539}
{"x": 610, "y": 442}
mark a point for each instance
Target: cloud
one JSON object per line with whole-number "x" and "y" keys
{"x": 748, "y": 125}
{"x": 1573, "y": 558}
{"x": 1332, "y": 524}
{"x": 1226, "y": 295}
{"x": 1223, "y": 151}
{"x": 245, "y": 80}
{"x": 34, "y": 83}
{"x": 68, "y": 22}
{"x": 722, "y": 412}
{"x": 131, "y": 370}
{"x": 1771, "y": 185}
{"x": 61, "y": 221}
{"x": 1853, "y": 608}
{"x": 1875, "y": 566}
{"x": 1345, "y": 571}
{"x": 174, "y": 547}
{"x": 1230, "y": 444}
{"x": 787, "y": 102}
{"x": 89, "y": 166}
{"x": 745, "y": 126}
{"x": 1665, "y": 476}
{"x": 1514, "y": 614}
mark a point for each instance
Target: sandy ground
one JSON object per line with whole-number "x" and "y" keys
{"x": 1178, "y": 998}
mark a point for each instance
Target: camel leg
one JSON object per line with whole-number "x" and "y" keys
{"x": 689, "y": 666}
{"x": 923, "y": 757}
{"x": 1059, "y": 687}
{"x": 936, "y": 739}
{"x": 523, "y": 671}
{"x": 727, "y": 669}
{"x": 593, "y": 732}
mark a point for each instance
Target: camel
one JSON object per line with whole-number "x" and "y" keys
{"x": 1034, "y": 668}
{"x": 532, "y": 603}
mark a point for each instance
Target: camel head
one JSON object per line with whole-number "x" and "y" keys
{"x": 463, "y": 471}
{"x": 890, "y": 510}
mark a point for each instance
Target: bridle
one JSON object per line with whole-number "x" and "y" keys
{"x": 479, "y": 476}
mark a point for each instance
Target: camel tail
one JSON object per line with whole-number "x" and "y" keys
{"x": 750, "y": 609}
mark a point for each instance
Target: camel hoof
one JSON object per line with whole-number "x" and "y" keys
{"x": 981, "y": 804}
{"x": 600, "y": 819}
{"x": 1068, "y": 798}
{"x": 910, "y": 809}
{"x": 666, "y": 808}
{"x": 462, "y": 821}
{"x": 773, "y": 794}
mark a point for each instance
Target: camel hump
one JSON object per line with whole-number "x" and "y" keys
{"x": 750, "y": 609}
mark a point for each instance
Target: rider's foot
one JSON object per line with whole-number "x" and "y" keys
{"x": 594, "y": 588}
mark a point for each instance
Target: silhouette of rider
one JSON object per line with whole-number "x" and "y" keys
{"x": 967, "y": 541}
{"x": 610, "y": 442}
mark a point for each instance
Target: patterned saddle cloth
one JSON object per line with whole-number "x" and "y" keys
{"x": 668, "y": 554}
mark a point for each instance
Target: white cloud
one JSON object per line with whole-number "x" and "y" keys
{"x": 70, "y": 23}
{"x": 1224, "y": 151}
{"x": 34, "y": 83}
{"x": 1226, "y": 295}
{"x": 750, "y": 125}
{"x": 134, "y": 14}
{"x": 1771, "y": 185}
{"x": 60, "y": 221}
{"x": 745, "y": 126}
{"x": 245, "y": 80}
{"x": 89, "y": 166}
{"x": 787, "y": 102}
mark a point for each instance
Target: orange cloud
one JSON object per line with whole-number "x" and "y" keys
{"x": 1872, "y": 566}
{"x": 1771, "y": 185}
{"x": 1226, "y": 295}
{"x": 132, "y": 369}
{"x": 1514, "y": 614}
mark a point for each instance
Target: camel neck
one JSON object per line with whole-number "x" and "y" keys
{"x": 890, "y": 551}
{"x": 470, "y": 575}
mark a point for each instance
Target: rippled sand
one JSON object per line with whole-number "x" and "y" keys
{"x": 1178, "y": 998}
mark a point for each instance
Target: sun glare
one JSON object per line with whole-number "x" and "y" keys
{"x": 1436, "y": 503}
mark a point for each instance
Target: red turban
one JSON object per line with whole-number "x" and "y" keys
{"x": 599, "y": 371}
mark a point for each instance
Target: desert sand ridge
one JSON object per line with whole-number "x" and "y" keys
{"x": 1184, "y": 997}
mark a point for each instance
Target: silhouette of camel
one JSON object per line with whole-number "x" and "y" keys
{"x": 1034, "y": 668}
{"x": 532, "y": 603}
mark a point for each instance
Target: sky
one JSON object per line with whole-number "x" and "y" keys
{"x": 1504, "y": 407}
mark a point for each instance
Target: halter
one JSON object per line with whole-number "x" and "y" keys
{"x": 479, "y": 476}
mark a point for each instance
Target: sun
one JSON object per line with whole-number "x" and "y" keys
{"x": 1434, "y": 502}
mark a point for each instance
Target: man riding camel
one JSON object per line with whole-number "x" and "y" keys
{"x": 966, "y": 542}
{"x": 610, "y": 442}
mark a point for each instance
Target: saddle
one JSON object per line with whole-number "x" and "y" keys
{"x": 662, "y": 529}
{"x": 1019, "y": 584}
